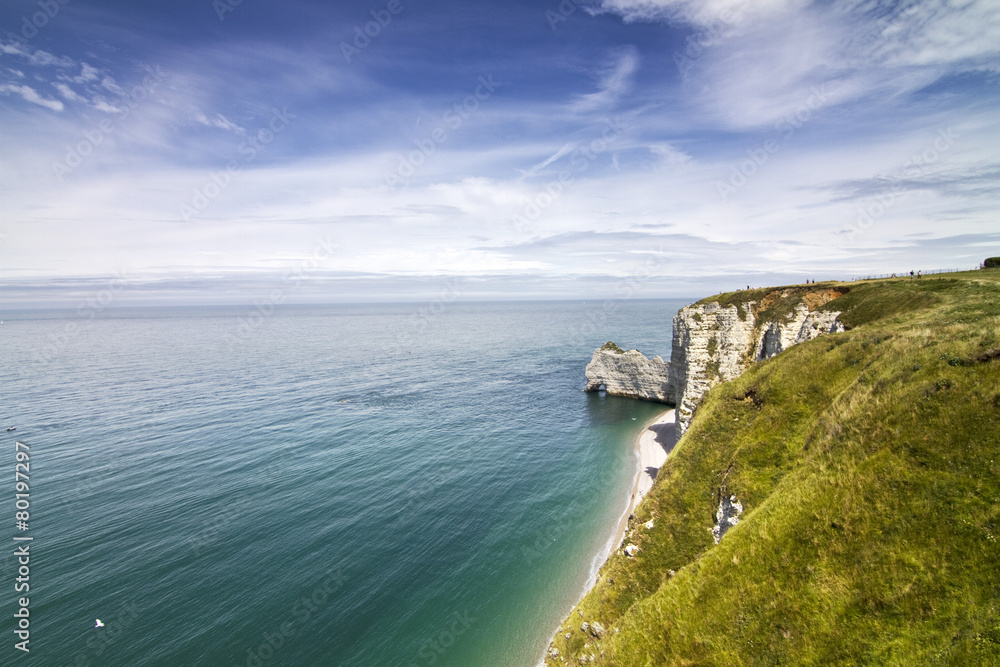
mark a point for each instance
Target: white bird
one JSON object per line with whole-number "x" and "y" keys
{"x": 99, "y": 624}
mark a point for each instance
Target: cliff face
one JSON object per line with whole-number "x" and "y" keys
{"x": 710, "y": 346}
{"x": 715, "y": 341}
{"x": 629, "y": 374}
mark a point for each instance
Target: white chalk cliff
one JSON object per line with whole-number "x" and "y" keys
{"x": 712, "y": 343}
{"x": 629, "y": 374}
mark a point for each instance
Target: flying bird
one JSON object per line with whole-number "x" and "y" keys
{"x": 99, "y": 624}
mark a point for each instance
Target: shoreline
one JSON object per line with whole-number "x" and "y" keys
{"x": 652, "y": 446}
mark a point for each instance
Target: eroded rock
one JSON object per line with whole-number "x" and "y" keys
{"x": 727, "y": 516}
{"x": 630, "y": 374}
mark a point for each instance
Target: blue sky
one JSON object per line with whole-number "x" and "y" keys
{"x": 200, "y": 150}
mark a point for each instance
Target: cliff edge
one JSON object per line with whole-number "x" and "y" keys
{"x": 717, "y": 339}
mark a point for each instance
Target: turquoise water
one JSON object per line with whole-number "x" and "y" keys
{"x": 336, "y": 485}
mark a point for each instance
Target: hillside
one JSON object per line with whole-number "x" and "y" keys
{"x": 867, "y": 464}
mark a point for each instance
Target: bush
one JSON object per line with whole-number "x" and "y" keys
{"x": 992, "y": 262}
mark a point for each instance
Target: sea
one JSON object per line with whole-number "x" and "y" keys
{"x": 371, "y": 485}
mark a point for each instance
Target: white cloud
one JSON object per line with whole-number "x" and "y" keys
{"x": 935, "y": 32}
{"x": 750, "y": 64}
{"x": 68, "y": 93}
{"x": 38, "y": 58}
{"x": 102, "y": 104}
{"x": 12, "y": 48}
{"x": 109, "y": 84}
{"x": 669, "y": 155}
{"x": 220, "y": 122}
{"x": 707, "y": 14}
{"x": 615, "y": 81}
{"x": 563, "y": 151}
{"x": 87, "y": 73}
{"x": 31, "y": 95}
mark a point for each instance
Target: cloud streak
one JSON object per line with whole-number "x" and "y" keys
{"x": 31, "y": 95}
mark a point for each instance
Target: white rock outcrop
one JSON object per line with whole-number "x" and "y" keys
{"x": 712, "y": 343}
{"x": 629, "y": 374}
{"x": 710, "y": 346}
{"x": 804, "y": 325}
{"x": 727, "y": 516}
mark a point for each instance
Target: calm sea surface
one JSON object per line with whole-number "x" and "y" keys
{"x": 336, "y": 485}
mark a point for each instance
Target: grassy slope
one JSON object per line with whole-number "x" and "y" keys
{"x": 868, "y": 464}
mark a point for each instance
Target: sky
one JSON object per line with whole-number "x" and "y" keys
{"x": 235, "y": 150}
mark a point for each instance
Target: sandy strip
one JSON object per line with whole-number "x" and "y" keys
{"x": 654, "y": 443}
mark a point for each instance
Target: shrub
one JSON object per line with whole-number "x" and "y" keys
{"x": 992, "y": 262}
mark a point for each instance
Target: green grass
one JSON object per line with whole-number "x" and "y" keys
{"x": 868, "y": 465}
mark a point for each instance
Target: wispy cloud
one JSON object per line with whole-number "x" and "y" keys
{"x": 702, "y": 13}
{"x": 31, "y": 95}
{"x": 68, "y": 93}
{"x": 219, "y": 121}
{"x": 614, "y": 81}
{"x": 762, "y": 57}
{"x": 87, "y": 73}
{"x": 974, "y": 181}
{"x": 35, "y": 57}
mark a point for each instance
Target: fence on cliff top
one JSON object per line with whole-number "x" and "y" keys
{"x": 906, "y": 274}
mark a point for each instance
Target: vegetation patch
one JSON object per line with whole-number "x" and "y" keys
{"x": 875, "y": 301}
{"x": 611, "y": 347}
